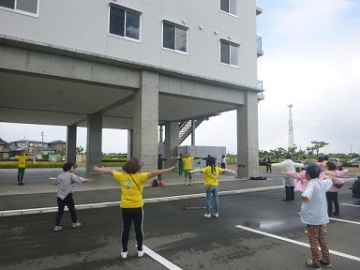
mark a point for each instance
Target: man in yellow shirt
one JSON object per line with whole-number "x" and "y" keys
{"x": 187, "y": 160}
{"x": 21, "y": 167}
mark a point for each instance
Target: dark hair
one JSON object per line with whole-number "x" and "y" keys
{"x": 320, "y": 159}
{"x": 211, "y": 160}
{"x": 326, "y": 157}
{"x": 132, "y": 166}
{"x": 67, "y": 166}
{"x": 288, "y": 156}
{"x": 331, "y": 166}
{"x": 313, "y": 170}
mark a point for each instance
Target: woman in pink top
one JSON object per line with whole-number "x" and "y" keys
{"x": 332, "y": 193}
{"x": 301, "y": 181}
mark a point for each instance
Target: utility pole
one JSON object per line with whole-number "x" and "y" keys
{"x": 42, "y": 145}
{"x": 291, "y": 129}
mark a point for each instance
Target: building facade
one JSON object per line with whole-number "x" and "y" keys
{"x": 131, "y": 64}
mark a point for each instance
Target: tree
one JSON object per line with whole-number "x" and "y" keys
{"x": 62, "y": 151}
{"x": 79, "y": 150}
{"x": 278, "y": 152}
{"x": 292, "y": 150}
{"x": 316, "y": 146}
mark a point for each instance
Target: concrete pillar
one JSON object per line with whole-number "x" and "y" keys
{"x": 94, "y": 141}
{"x": 171, "y": 141}
{"x": 71, "y": 144}
{"x": 146, "y": 117}
{"x": 192, "y": 132}
{"x": 247, "y": 135}
{"x": 130, "y": 151}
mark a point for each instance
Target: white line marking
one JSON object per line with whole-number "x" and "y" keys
{"x": 348, "y": 204}
{"x": 116, "y": 203}
{"x": 351, "y": 257}
{"x": 160, "y": 259}
{"x": 345, "y": 220}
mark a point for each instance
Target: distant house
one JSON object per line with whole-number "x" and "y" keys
{"x": 57, "y": 145}
{"x": 31, "y": 148}
{"x": 4, "y": 149}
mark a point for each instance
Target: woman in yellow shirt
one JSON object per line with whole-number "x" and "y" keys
{"x": 132, "y": 186}
{"x": 211, "y": 182}
{"x": 21, "y": 167}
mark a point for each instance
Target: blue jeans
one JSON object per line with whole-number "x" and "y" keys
{"x": 214, "y": 192}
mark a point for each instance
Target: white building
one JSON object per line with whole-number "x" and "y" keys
{"x": 131, "y": 64}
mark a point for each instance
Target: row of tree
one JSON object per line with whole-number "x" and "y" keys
{"x": 281, "y": 152}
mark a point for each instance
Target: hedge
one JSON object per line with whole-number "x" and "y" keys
{"x": 14, "y": 165}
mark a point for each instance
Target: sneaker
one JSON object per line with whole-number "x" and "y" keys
{"x": 311, "y": 265}
{"x": 216, "y": 215}
{"x": 207, "y": 215}
{"x": 124, "y": 254}
{"x": 325, "y": 263}
{"x": 77, "y": 224}
{"x": 57, "y": 228}
{"x": 306, "y": 231}
{"x": 141, "y": 253}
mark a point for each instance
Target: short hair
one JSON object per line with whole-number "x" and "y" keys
{"x": 288, "y": 156}
{"x": 331, "y": 166}
{"x": 326, "y": 157}
{"x": 132, "y": 166}
{"x": 320, "y": 159}
{"x": 313, "y": 170}
{"x": 67, "y": 166}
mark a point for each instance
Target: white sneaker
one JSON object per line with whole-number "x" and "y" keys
{"x": 216, "y": 215}
{"x": 57, "y": 228}
{"x": 141, "y": 253}
{"x": 77, "y": 224}
{"x": 124, "y": 254}
{"x": 207, "y": 215}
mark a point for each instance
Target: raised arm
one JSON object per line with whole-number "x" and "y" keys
{"x": 230, "y": 171}
{"x": 103, "y": 170}
{"x": 157, "y": 172}
{"x": 196, "y": 171}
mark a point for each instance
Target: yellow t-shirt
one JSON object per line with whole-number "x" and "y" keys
{"x": 131, "y": 193}
{"x": 21, "y": 161}
{"x": 188, "y": 163}
{"x": 211, "y": 178}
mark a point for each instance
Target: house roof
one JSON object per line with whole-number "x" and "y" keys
{"x": 3, "y": 142}
{"x": 57, "y": 142}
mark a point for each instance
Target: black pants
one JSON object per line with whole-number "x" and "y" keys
{"x": 69, "y": 202}
{"x": 289, "y": 193}
{"x": 332, "y": 197}
{"x": 268, "y": 168}
{"x": 129, "y": 215}
{"x": 223, "y": 165}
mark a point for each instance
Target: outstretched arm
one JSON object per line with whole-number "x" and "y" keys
{"x": 103, "y": 170}
{"x": 230, "y": 171}
{"x": 196, "y": 171}
{"x": 157, "y": 172}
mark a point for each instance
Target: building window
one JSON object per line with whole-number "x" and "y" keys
{"x": 174, "y": 37}
{"x": 229, "y": 53}
{"x": 229, "y": 6}
{"x": 28, "y": 6}
{"x": 124, "y": 22}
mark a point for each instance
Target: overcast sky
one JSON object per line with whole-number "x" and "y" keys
{"x": 311, "y": 60}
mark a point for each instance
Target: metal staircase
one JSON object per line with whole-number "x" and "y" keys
{"x": 185, "y": 129}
